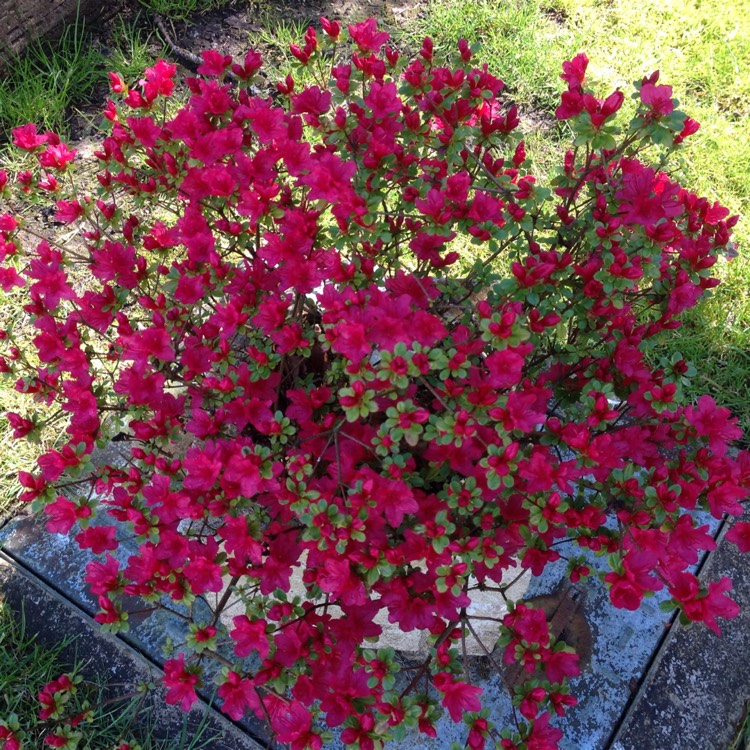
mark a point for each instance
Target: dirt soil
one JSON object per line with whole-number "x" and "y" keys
{"x": 235, "y": 28}
{"x": 231, "y": 28}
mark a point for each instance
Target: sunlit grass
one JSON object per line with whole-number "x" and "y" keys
{"x": 273, "y": 39}
{"x": 131, "y": 54}
{"x": 521, "y": 42}
{"x": 180, "y": 10}
{"x": 702, "y": 48}
{"x": 17, "y": 455}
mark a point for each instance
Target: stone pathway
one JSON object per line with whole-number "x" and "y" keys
{"x": 52, "y": 617}
{"x": 646, "y": 685}
{"x": 694, "y": 691}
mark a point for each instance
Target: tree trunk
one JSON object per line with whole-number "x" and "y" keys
{"x": 22, "y": 21}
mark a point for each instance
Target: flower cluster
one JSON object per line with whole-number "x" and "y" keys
{"x": 343, "y": 331}
{"x": 59, "y": 717}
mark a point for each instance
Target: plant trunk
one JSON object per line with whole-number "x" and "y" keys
{"x": 23, "y": 21}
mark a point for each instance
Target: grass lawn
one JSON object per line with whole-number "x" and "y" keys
{"x": 26, "y": 667}
{"x": 742, "y": 739}
{"x": 702, "y": 48}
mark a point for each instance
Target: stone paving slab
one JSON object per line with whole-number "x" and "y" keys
{"x": 108, "y": 659}
{"x": 622, "y": 642}
{"x": 693, "y": 695}
{"x": 623, "y": 647}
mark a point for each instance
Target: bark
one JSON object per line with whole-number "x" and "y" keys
{"x": 22, "y": 21}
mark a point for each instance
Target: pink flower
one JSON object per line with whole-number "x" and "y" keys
{"x": 249, "y": 636}
{"x": 543, "y": 736}
{"x": 689, "y": 128}
{"x": 103, "y": 577}
{"x": 64, "y": 514}
{"x": 718, "y": 604}
{"x": 559, "y": 665}
{"x": 238, "y": 696}
{"x": 658, "y": 99}
{"x": 251, "y": 64}
{"x": 367, "y": 37}
{"x": 203, "y": 575}
{"x": 292, "y": 723}
{"x": 624, "y": 593}
{"x": 740, "y": 535}
{"x": 458, "y": 697}
{"x": 332, "y": 28}
{"x": 27, "y": 138}
{"x": 21, "y": 426}
{"x": 574, "y": 71}
{"x": 714, "y": 422}
{"x": 9, "y": 278}
{"x": 214, "y": 63}
{"x": 116, "y": 84}
{"x": 158, "y": 80}
{"x": 686, "y": 540}
{"x": 97, "y": 538}
{"x": 181, "y": 683}
{"x": 56, "y": 740}
{"x": 337, "y": 578}
{"x": 150, "y": 342}
{"x": 68, "y": 211}
{"x": 57, "y": 156}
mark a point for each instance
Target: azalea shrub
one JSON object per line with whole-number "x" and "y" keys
{"x": 343, "y": 331}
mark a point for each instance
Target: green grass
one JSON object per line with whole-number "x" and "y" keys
{"x": 42, "y": 87}
{"x": 181, "y": 10}
{"x": 17, "y": 455}
{"x": 702, "y": 48}
{"x": 27, "y": 666}
{"x": 742, "y": 739}
{"x": 521, "y": 43}
{"x": 131, "y": 53}
{"x": 44, "y": 82}
{"x": 273, "y": 40}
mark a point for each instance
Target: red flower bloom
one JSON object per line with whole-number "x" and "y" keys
{"x": 458, "y": 697}
{"x": 214, "y": 63}
{"x": 574, "y": 71}
{"x": 180, "y": 682}
{"x": 249, "y": 636}
{"x": 740, "y": 535}
{"x": 367, "y": 37}
{"x": 27, "y": 138}
{"x": 98, "y": 539}
{"x": 57, "y": 156}
{"x": 238, "y": 696}
{"x": 658, "y": 99}
{"x": 293, "y": 724}
{"x": 709, "y": 420}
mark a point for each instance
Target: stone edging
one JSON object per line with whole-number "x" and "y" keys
{"x": 106, "y": 658}
{"x": 693, "y": 695}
